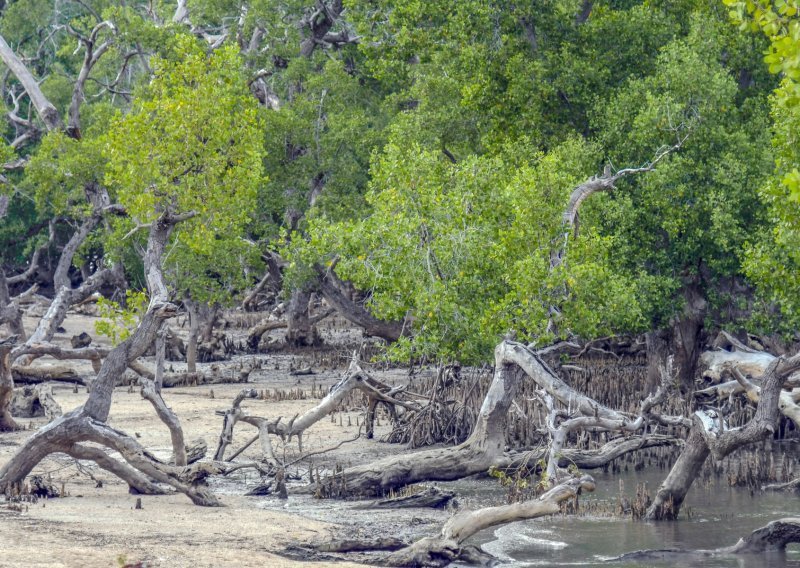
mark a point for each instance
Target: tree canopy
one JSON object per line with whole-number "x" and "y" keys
{"x": 425, "y": 152}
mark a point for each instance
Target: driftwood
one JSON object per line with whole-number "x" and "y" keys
{"x": 354, "y": 545}
{"x": 793, "y": 485}
{"x": 29, "y": 374}
{"x": 32, "y": 402}
{"x": 775, "y": 536}
{"x": 449, "y": 546}
{"x": 34, "y": 375}
{"x": 216, "y": 374}
{"x": 430, "y": 497}
{"x": 355, "y": 379}
{"x": 234, "y": 415}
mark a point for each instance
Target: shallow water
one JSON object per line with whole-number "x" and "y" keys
{"x": 720, "y": 515}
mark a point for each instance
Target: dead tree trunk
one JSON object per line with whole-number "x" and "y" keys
{"x": 9, "y": 311}
{"x": 673, "y": 490}
{"x": 194, "y": 332}
{"x": 485, "y": 446}
{"x": 708, "y": 436}
{"x": 774, "y": 537}
{"x": 87, "y": 423}
{"x": 657, "y": 343}
{"x": 480, "y": 451}
{"x": 6, "y": 385}
{"x": 300, "y": 332}
{"x": 65, "y": 298}
{"x": 355, "y": 378}
{"x": 687, "y": 336}
{"x": 168, "y": 417}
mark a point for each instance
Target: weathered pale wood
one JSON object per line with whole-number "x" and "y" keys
{"x": 87, "y": 423}
{"x": 168, "y": 417}
{"x": 6, "y": 385}
{"x": 448, "y": 546}
{"x": 44, "y": 108}
{"x": 703, "y": 441}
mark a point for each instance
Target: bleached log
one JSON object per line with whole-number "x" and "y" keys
{"x": 448, "y": 546}
{"x": 752, "y": 364}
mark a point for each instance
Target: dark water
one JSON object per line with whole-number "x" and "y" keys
{"x": 720, "y": 515}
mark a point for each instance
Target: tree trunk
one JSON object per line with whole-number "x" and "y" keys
{"x": 194, "y": 332}
{"x": 6, "y": 386}
{"x": 9, "y": 311}
{"x": 44, "y": 108}
{"x": 448, "y": 546}
{"x": 673, "y": 490}
{"x": 707, "y": 436}
{"x": 657, "y": 353}
{"x": 481, "y": 450}
{"x": 688, "y": 335}
{"x": 65, "y": 298}
{"x": 333, "y": 290}
{"x": 300, "y": 331}
{"x": 87, "y": 423}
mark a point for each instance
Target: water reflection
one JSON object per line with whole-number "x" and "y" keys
{"x": 720, "y": 515}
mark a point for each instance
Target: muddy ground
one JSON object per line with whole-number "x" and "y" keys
{"x": 98, "y": 526}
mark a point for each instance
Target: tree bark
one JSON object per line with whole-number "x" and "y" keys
{"x": 61, "y": 275}
{"x": 657, "y": 352}
{"x": 480, "y": 451}
{"x": 687, "y": 336}
{"x": 169, "y": 418}
{"x": 673, "y": 490}
{"x": 46, "y": 111}
{"x": 300, "y": 332}
{"x": 706, "y": 437}
{"x": 9, "y": 311}
{"x": 194, "y": 332}
{"x": 6, "y": 385}
{"x": 87, "y": 423}
{"x": 65, "y": 298}
{"x": 332, "y": 289}
{"x": 448, "y": 547}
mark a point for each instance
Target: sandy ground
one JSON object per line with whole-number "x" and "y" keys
{"x": 99, "y": 526}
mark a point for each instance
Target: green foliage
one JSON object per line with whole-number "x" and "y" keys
{"x": 460, "y": 248}
{"x": 773, "y": 261}
{"x": 685, "y": 223}
{"x": 432, "y": 161}
{"x": 117, "y": 322}
{"x": 193, "y": 142}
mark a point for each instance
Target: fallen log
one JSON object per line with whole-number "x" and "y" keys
{"x": 355, "y": 378}
{"x": 33, "y": 402}
{"x": 355, "y": 545}
{"x": 431, "y": 497}
{"x": 775, "y": 536}
{"x": 448, "y": 546}
{"x": 35, "y": 375}
{"x": 486, "y": 444}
